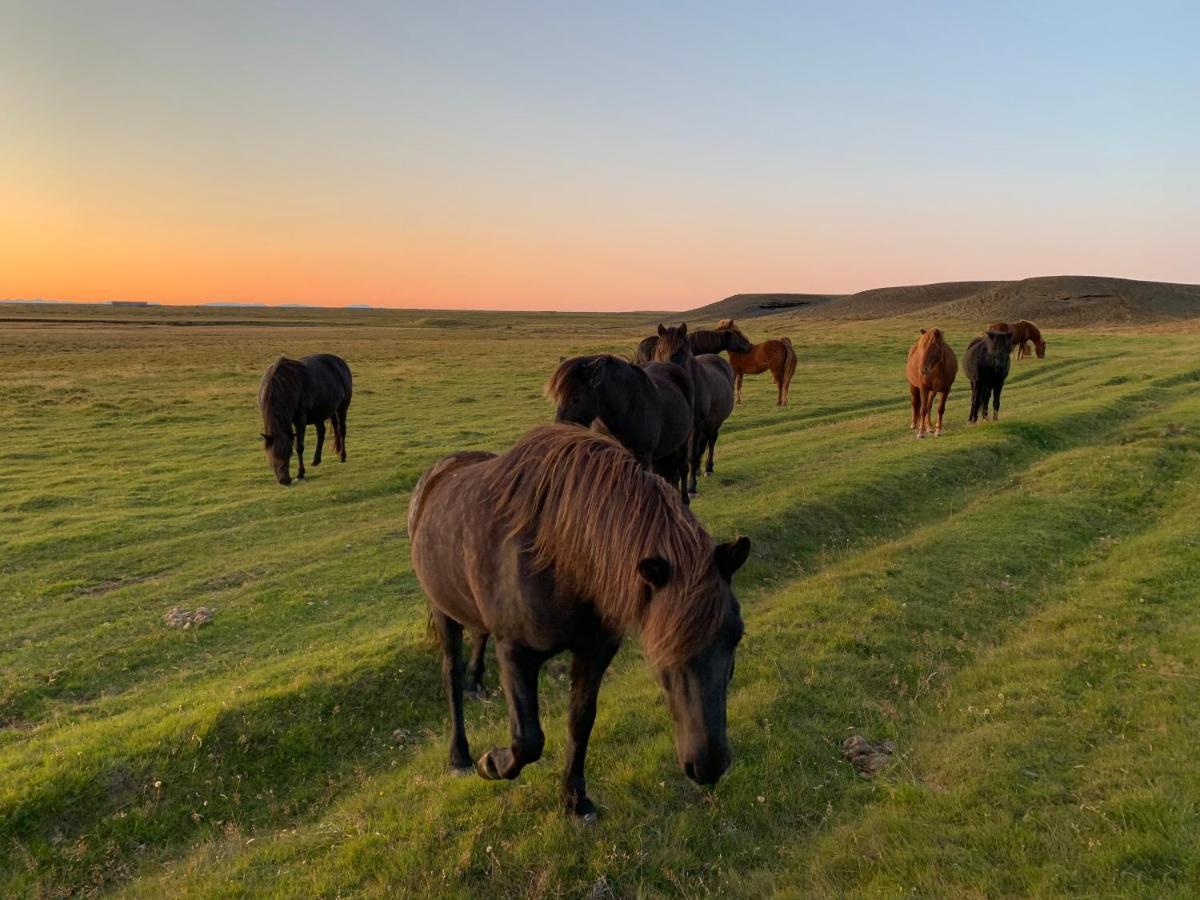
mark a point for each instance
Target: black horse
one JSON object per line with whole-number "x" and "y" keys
{"x": 986, "y": 363}
{"x": 295, "y": 393}
{"x": 703, "y": 340}
{"x": 565, "y": 543}
{"x": 647, "y": 408}
{"x": 712, "y": 393}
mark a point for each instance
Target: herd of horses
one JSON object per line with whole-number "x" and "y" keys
{"x": 932, "y": 368}
{"x": 582, "y": 532}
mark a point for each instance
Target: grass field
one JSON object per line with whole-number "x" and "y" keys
{"x": 1014, "y": 604}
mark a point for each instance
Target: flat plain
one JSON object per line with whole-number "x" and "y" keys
{"x": 1015, "y": 604}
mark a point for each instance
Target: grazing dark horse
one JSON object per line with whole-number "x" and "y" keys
{"x": 566, "y": 543}
{"x": 778, "y": 355}
{"x": 295, "y": 393}
{"x": 932, "y": 367}
{"x": 1023, "y": 333}
{"x": 703, "y": 340}
{"x": 712, "y": 393}
{"x": 986, "y": 363}
{"x": 647, "y": 408}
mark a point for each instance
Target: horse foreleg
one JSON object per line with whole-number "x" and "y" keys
{"x": 712, "y": 445}
{"x": 320, "y": 426}
{"x": 915, "y": 397}
{"x": 695, "y": 451}
{"x": 587, "y": 670}
{"x": 737, "y": 384}
{"x": 996, "y": 402}
{"x": 300, "y": 425}
{"x": 450, "y": 637}
{"x": 679, "y": 469}
{"x": 926, "y": 406}
{"x": 475, "y": 673}
{"x": 518, "y": 675}
{"x": 941, "y": 410}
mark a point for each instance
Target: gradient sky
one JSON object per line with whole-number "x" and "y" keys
{"x": 589, "y": 155}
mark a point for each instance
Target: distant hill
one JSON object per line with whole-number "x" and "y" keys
{"x": 1056, "y": 300}
{"x": 742, "y": 306}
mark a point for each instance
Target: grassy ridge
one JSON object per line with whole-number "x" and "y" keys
{"x": 1013, "y": 604}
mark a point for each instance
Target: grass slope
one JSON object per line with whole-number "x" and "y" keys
{"x": 1013, "y": 604}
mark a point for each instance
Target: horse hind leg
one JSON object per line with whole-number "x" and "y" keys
{"x": 449, "y": 634}
{"x": 475, "y": 686}
{"x": 341, "y": 432}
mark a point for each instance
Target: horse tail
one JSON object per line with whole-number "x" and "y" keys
{"x": 789, "y": 366}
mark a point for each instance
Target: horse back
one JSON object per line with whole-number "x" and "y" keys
{"x": 436, "y": 471}
{"x": 328, "y": 383}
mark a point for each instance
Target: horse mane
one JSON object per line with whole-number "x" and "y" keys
{"x": 728, "y": 325}
{"x": 592, "y": 513}
{"x": 932, "y": 347}
{"x": 278, "y": 396}
{"x": 572, "y": 374}
{"x": 670, "y": 342}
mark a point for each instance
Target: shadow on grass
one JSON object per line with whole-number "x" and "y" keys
{"x": 268, "y": 763}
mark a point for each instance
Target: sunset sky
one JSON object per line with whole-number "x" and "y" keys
{"x": 589, "y": 156}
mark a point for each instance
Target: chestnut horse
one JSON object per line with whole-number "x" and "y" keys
{"x": 296, "y": 393}
{"x": 566, "y": 543}
{"x": 931, "y": 369}
{"x": 778, "y": 355}
{"x": 1023, "y": 333}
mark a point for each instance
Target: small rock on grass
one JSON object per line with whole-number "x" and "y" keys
{"x": 178, "y": 617}
{"x": 866, "y": 757}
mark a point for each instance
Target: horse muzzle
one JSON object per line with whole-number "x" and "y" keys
{"x": 707, "y": 769}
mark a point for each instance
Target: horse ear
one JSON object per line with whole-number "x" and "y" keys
{"x": 683, "y": 329}
{"x": 922, "y": 331}
{"x": 655, "y": 571}
{"x": 661, "y": 330}
{"x": 732, "y": 556}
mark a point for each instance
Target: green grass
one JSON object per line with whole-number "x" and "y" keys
{"x": 1014, "y": 604}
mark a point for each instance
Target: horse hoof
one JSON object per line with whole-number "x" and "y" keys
{"x": 486, "y": 767}
{"x": 457, "y": 769}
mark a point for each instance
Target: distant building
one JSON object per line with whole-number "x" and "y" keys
{"x": 131, "y": 303}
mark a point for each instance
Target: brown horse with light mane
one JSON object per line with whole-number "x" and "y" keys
{"x": 932, "y": 367}
{"x": 1023, "y": 333}
{"x": 778, "y": 355}
{"x": 566, "y": 542}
